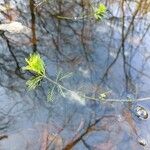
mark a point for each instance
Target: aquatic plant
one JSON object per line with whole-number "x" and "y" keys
{"x": 37, "y": 67}
{"x": 35, "y": 64}
{"x": 57, "y": 87}
{"x": 100, "y": 12}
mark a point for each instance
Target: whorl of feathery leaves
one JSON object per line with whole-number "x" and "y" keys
{"x": 36, "y": 65}
{"x": 100, "y": 12}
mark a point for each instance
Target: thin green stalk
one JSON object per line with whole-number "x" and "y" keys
{"x": 57, "y": 84}
{"x": 36, "y": 65}
{"x": 73, "y": 18}
{"x": 94, "y": 98}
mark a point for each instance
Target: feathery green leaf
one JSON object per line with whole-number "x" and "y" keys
{"x": 100, "y": 12}
{"x": 35, "y": 64}
{"x": 51, "y": 94}
{"x": 33, "y": 82}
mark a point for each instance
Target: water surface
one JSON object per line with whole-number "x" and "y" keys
{"x": 108, "y": 55}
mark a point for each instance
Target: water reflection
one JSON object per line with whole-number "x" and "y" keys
{"x": 108, "y": 55}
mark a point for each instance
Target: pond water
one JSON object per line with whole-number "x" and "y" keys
{"x": 111, "y": 55}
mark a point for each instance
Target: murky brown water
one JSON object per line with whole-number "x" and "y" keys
{"x": 110, "y": 55}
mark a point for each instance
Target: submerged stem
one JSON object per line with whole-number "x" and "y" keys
{"x": 94, "y": 98}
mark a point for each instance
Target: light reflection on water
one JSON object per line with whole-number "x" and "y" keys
{"x": 108, "y": 55}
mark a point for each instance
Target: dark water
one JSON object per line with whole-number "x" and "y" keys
{"x": 110, "y": 55}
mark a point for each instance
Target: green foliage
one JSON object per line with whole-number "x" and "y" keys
{"x": 51, "y": 94}
{"x": 100, "y": 12}
{"x": 33, "y": 82}
{"x": 35, "y": 65}
{"x": 64, "y": 76}
{"x": 58, "y": 87}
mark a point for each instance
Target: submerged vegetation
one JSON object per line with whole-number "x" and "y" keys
{"x": 100, "y": 12}
{"x": 85, "y": 65}
{"x": 36, "y": 66}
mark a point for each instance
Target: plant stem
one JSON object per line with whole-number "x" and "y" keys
{"x": 94, "y": 98}
{"x": 74, "y": 18}
{"x": 56, "y": 83}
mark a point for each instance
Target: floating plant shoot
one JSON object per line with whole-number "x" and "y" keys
{"x": 100, "y": 12}
{"x": 36, "y": 65}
